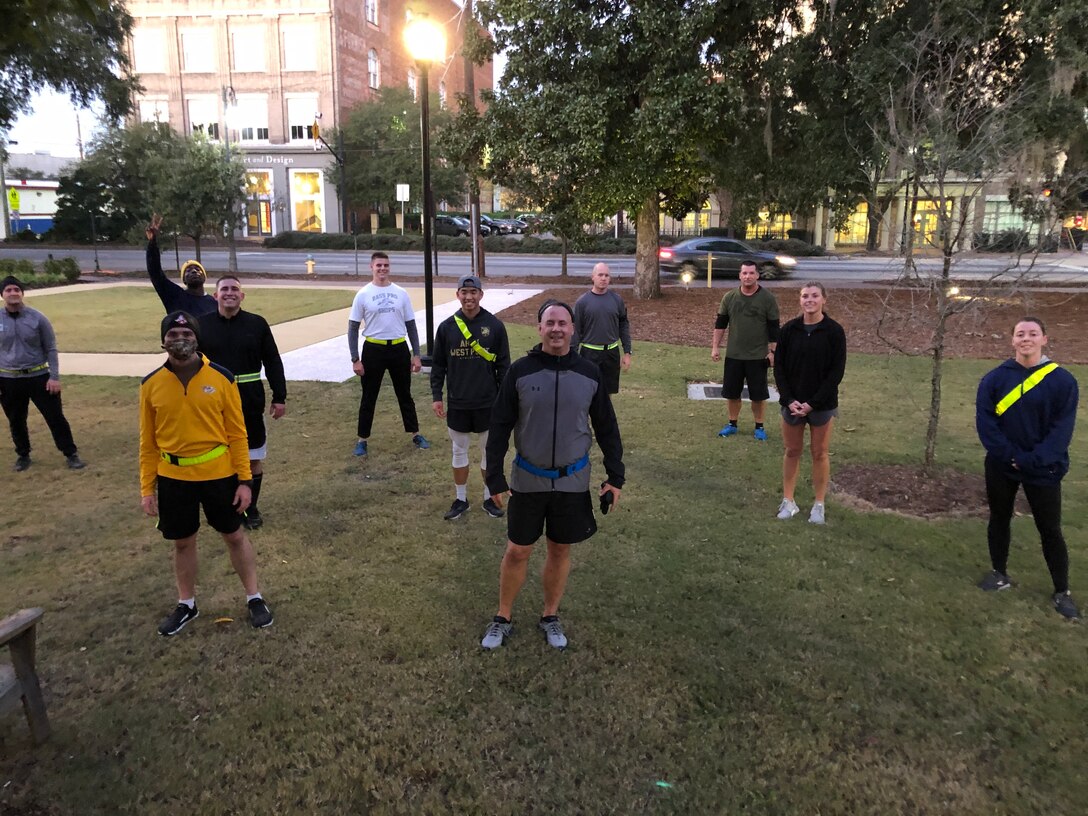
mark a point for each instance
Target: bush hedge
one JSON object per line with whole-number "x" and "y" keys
{"x": 530, "y": 244}
{"x": 53, "y": 272}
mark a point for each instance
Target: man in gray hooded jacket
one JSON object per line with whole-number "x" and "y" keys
{"x": 549, "y": 399}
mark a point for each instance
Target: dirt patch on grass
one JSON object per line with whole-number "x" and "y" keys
{"x": 685, "y": 317}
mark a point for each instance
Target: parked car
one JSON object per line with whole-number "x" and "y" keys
{"x": 496, "y": 226}
{"x": 456, "y": 225}
{"x": 512, "y": 225}
{"x": 691, "y": 255}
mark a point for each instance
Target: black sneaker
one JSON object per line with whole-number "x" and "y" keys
{"x": 1063, "y": 602}
{"x": 259, "y": 613}
{"x": 994, "y": 581}
{"x": 457, "y": 509}
{"x": 21, "y": 464}
{"x": 493, "y": 509}
{"x": 75, "y": 463}
{"x": 177, "y": 619}
{"x": 253, "y": 520}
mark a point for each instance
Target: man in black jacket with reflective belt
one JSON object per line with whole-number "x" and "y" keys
{"x": 242, "y": 342}
{"x": 548, "y": 400}
{"x": 471, "y": 357}
{"x": 191, "y": 298}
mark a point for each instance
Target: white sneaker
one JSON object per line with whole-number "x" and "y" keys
{"x": 817, "y": 514}
{"x": 788, "y": 509}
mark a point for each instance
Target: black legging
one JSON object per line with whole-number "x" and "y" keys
{"x": 397, "y": 360}
{"x": 16, "y": 394}
{"x": 1046, "y": 508}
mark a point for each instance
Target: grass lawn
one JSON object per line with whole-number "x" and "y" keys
{"x": 751, "y": 665}
{"x": 126, "y": 318}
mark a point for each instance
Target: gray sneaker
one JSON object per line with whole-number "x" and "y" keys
{"x": 497, "y": 632}
{"x": 788, "y": 509}
{"x": 553, "y": 632}
{"x": 817, "y": 514}
{"x": 994, "y": 581}
{"x": 1063, "y": 602}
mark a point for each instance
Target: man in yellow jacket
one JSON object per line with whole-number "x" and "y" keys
{"x": 193, "y": 453}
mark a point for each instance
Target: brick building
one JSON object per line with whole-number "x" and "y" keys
{"x": 276, "y": 67}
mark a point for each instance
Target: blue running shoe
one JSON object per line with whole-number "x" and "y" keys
{"x": 360, "y": 448}
{"x": 420, "y": 441}
{"x": 760, "y": 435}
{"x": 728, "y": 430}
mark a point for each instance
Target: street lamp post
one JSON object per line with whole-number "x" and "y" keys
{"x": 230, "y": 109}
{"x": 426, "y": 42}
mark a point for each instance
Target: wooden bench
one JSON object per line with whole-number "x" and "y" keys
{"x": 19, "y": 681}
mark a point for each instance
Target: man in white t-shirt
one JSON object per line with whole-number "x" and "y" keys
{"x": 385, "y": 311}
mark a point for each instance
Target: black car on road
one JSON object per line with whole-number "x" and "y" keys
{"x": 725, "y": 255}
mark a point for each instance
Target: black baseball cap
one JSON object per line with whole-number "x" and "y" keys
{"x": 470, "y": 282}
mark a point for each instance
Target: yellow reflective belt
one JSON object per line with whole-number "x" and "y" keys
{"x": 30, "y": 370}
{"x": 244, "y": 378}
{"x": 1009, "y": 400}
{"x": 473, "y": 342}
{"x": 185, "y": 461}
{"x": 609, "y": 347}
{"x": 384, "y": 342}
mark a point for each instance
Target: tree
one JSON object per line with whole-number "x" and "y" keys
{"x": 382, "y": 147}
{"x": 604, "y": 107}
{"x": 115, "y": 183}
{"x": 198, "y": 188}
{"x": 74, "y": 46}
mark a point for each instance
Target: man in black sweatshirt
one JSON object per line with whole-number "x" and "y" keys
{"x": 549, "y": 399}
{"x": 471, "y": 357}
{"x": 242, "y": 342}
{"x": 191, "y": 298}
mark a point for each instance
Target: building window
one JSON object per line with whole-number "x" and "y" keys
{"x": 301, "y": 113}
{"x": 249, "y": 119}
{"x": 442, "y": 94}
{"x": 374, "y": 69}
{"x": 413, "y": 82}
{"x": 247, "y": 47}
{"x": 155, "y": 110}
{"x": 372, "y": 11}
{"x": 203, "y": 115}
{"x": 856, "y": 230}
{"x": 764, "y": 227}
{"x": 300, "y": 48}
{"x": 306, "y": 199}
{"x": 1001, "y": 215}
{"x": 149, "y": 51}
{"x": 259, "y": 194}
{"x": 197, "y": 52}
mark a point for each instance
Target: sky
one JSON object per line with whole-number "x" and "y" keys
{"x": 51, "y": 127}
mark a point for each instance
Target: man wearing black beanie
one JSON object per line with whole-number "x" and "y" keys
{"x": 30, "y": 372}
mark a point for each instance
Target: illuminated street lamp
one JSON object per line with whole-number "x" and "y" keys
{"x": 426, "y": 43}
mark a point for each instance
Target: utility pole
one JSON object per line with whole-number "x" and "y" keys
{"x": 340, "y": 156}
{"x": 4, "y": 186}
{"x": 229, "y": 102}
{"x": 474, "y": 181}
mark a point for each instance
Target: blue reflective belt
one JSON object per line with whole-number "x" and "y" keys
{"x": 552, "y": 473}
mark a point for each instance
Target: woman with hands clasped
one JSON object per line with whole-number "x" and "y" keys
{"x": 809, "y": 364}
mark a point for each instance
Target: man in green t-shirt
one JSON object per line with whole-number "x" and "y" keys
{"x": 750, "y": 313}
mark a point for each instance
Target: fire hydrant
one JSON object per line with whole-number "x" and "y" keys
{"x": 310, "y": 264}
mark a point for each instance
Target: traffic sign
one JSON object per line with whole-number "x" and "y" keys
{"x": 402, "y": 192}
{"x": 13, "y": 199}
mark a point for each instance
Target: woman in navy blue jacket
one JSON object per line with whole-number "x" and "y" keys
{"x": 1024, "y": 413}
{"x": 809, "y": 364}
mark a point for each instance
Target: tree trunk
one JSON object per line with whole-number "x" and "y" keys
{"x": 196, "y": 239}
{"x": 563, "y": 262}
{"x": 647, "y": 271}
{"x": 725, "y": 206}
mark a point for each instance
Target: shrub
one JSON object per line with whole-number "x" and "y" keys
{"x": 21, "y": 269}
{"x": 66, "y": 268}
{"x": 789, "y": 246}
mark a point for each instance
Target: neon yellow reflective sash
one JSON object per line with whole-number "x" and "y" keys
{"x": 244, "y": 378}
{"x": 185, "y": 461}
{"x": 609, "y": 347}
{"x": 1009, "y": 400}
{"x": 30, "y": 370}
{"x": 473, "y": 342}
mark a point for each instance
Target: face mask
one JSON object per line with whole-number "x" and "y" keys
{"x": 180, "y": 349}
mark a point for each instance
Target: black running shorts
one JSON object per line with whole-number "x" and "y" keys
{"x": 814, "y": 418}
{"x": 468, "y": 420}
{"x": 180, "y": 503}
{"x": 737, "y": 372}
{"x": 566, "y": 517}
{"x": 608, "y": 361}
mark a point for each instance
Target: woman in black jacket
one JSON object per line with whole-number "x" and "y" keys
{"x": 809, "y": 364}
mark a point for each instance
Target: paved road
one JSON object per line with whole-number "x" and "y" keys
{"x": 1059, "y": 268}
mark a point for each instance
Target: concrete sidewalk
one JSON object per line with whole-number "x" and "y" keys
{"x": 313, "y": 348}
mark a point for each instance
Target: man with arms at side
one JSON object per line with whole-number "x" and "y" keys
{"x": 194, "y": 453}
{"x": 750, "y": 313}
{"x": 601, "y": 328}
{"x": 191, "y": 298}
{"x": 1024, "y": 413}
{"x": 242, "y": 343}
{"x": 385, "y": 312}
{"x": 30, "y": 372}
{"x": 471, "y": 357}
{"x": 549, "y": 400}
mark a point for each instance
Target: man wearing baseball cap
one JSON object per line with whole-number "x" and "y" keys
{"x": 194, "y": 453}
{"x": 471, "y": 356}
{"x": 30, "y": 372}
